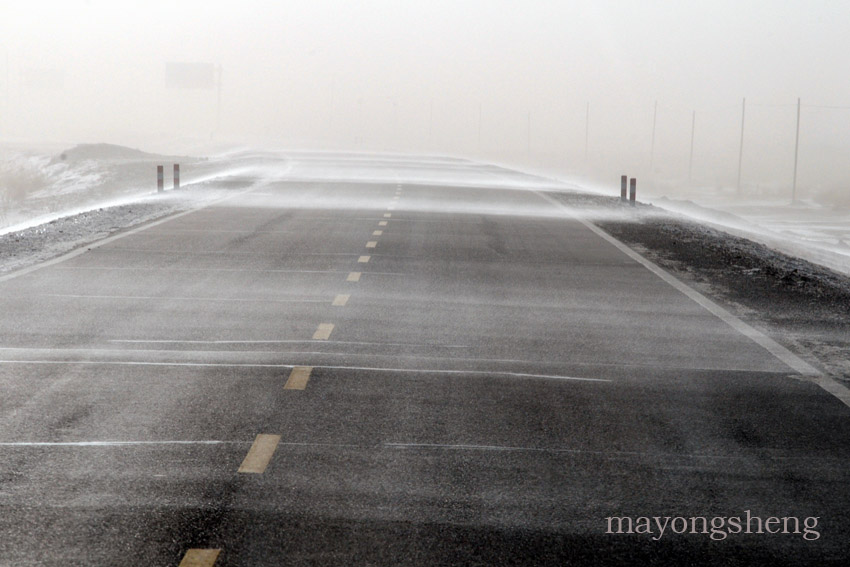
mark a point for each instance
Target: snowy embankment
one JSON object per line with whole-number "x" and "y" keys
{"x": 817, "y": 233}
{"x": 51, "y": 204}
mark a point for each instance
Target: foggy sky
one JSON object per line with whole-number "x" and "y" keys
{"x": 416, "y": 76}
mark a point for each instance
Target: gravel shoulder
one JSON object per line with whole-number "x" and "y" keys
{"x": 799, "y": 304}
{"x": 24, "y": 248}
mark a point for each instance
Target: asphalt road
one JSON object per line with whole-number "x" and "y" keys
{"x": 392, "y": 377}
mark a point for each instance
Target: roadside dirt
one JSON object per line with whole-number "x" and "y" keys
{"x": 801, "y": 305}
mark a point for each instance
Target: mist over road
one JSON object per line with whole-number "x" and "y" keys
{"x": 359, "y": 360}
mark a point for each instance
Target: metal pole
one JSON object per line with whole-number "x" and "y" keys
{"x": 741, "y": 148}
{"x": 691, "y": 158}
{"x": 624, "y": 179}
{"x": 632, "y": 191}
{"x": 796, "y": 153}
{"x": 177, "y": 176}
{"x": 160, "y": 182}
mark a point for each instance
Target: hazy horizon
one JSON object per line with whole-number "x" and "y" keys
{"x": 567, "y": 86}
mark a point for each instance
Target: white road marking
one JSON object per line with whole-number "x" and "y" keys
{"x": 99, "y": 243}
{"x": 833, "y": 387}
{"x": 377, "y": 232}
{"x": 144, "y": 363}
{"x": 112, "y": 443}
{"x": 556, "y": 450}
{"x": 223, "y": 231}
{"x": 221, "y": 252}
{"x": 270, "y": 341}
{"x": 363, "y": 259}
{"x": 192, "y": 270}
{"x": 353, "y": 277}
{"x": 331, "y": 367}
{"x": 371, "y": 244}
{"x": 165, "y": 298}
{"x": 382, "y": 223}
{"x": 472, "y": 372}
{"x": 780, "y": 352}
{"x": 75, "y": 356}
{"x": 412, "y": 445}
{"x": 790, "y": 359}
{"x": 340, "y": 300}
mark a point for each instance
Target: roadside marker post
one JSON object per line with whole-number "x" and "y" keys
{"x": 632, "y": 191}
{"x": 623, "y": 183}
{"x": 177, "y": 176}
{"x": 160, "y": 179}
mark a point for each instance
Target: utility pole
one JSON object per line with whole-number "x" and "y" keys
{"x": 741, "y": 147}
{"x": 652, "y": 148}
{"x": 691, "y": 158}
{"x": 796, "y": 153}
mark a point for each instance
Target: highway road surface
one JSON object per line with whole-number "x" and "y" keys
{"x": 355, "y": 361}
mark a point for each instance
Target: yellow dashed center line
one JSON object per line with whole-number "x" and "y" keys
{"x": 260, "y": 454}
{"x": 377, "y": 232}
{"x": 324, "y": 331}
{"x": 200, "y": 557}
{"x": 298, "y": 378}
{"x": 387, "y": 215}
{"x": 371, "y": 244}
{"x": 353, "y": 276}
{"x": 363, "y": 259}
{"x": 341, "y": 300}
{"x": 382, "y": 223}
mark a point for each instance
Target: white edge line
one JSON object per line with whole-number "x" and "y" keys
{"x": 170, "y": 298}
{"x": 270, "y": 341}
{"x": 383, "y": 446}
{"x": 259, "y": 365}
{"x": 109, "y": 239}
{"x": 476, "y": 372}
{"x": 777, "y": 350}
{"x": 113, "y": 443}
{"x": 233, "y": 270}
{"x": 783, "y": 354}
